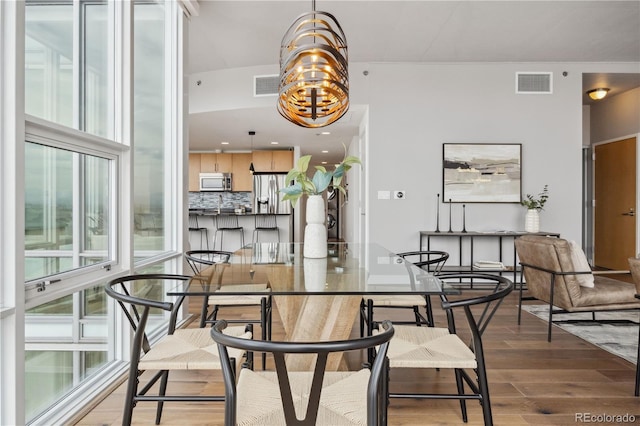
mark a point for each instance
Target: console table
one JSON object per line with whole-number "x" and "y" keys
{"x": 465, "y": 239}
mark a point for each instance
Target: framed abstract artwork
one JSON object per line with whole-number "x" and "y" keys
{"x": 481, "y": 173}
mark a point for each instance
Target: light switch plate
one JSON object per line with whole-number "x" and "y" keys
{"x": 384, "y": 195}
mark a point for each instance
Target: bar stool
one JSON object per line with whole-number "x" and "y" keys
{"x": 265, "y": 222}
{"x": 194, "y": 226}
{"x": 227, "y": 222}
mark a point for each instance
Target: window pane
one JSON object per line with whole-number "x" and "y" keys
{"x": 61, "y": 306}
{"x": 63, "y": 188}
{"x": 149, "y": 134}
{"x": 48, "y": 375}
{"x": 93, "y": 361}
{"x": 56, "y": 337}
{"x": 95, "y": 301}
{"x": 156, "y": 290}
{"x": 50, "y": 91}
{"x": 49, "y": 62}
{"x": 96, "y": 70}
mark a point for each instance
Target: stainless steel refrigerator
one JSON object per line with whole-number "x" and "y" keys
{"x": 266, "y": 198}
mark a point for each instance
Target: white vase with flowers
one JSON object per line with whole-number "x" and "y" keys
{"x": 534, "y": 205}
{"x": 315, "y": 234}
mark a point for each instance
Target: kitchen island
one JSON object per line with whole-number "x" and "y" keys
{"x": 207, "y": 218}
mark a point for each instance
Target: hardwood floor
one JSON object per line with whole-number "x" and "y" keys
{"x": 532, "y": 382}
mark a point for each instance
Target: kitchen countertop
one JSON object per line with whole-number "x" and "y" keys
{"x": 214, "y": 212}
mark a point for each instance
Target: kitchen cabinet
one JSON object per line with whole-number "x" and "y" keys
{"x": 273, "y": 161}
{"x": 216, "y": 163}
{"x": 242, "y": 177}
{"x": 194, "y": 172}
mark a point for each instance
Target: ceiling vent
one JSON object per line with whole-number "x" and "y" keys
{"x": 265, "y": 85}
{"x": 534, "y": 82}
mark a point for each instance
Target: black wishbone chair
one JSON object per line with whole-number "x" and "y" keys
{"x": 432, "y": 262}
{"x": 443, "y": 348}
{"x": 325, "y": 398}
{"x": 142, "y": 298}
{"x": 208, "y": 266}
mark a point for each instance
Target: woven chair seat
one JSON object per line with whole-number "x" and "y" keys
{"x": 428, "y": 347}
{"x": 342, "y": 402}
{"x": 190, "y": 349}
{"x": 239, "y": 299}
{"x": 407, "y": 300}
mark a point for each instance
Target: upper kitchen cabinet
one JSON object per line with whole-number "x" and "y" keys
{"x": 216, "y": 163}
{"x": 194, "y": 172}
{"x": 242, "y": 177}
{"x": 273, "y": 161}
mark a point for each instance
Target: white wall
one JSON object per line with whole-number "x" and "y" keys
{"x": 415, "y": 108}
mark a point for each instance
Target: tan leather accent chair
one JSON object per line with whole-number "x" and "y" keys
{"x": 551, "y": 276}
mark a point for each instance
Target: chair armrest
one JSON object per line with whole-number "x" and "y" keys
{"x": 551, "y": 271}
{"x": 620, "y": 272}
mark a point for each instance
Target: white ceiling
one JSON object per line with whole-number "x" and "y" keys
{"x": 232, "y": 34}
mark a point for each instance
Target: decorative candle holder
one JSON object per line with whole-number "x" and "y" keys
{"x": 450, "y": 230}
{"x": 464, "y": 225}
{"x": 438, "y": 213}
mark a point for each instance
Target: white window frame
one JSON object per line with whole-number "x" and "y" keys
{"x": 46, "y": 289}
{"x": 11, "y": 212}
{"x": 12, "y": 135}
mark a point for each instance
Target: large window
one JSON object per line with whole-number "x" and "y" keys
{"x": 67, "y": 215}
{"x": 99, "y": 172}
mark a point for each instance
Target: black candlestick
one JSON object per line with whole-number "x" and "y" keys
{"x": 450, "y": 215}
{"x": 464, "y": 226}
{"x": 438, "y": 214}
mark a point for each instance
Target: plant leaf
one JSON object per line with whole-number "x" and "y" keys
{"x": 292, "y": 189}
{"x": 321, "y": 180}
{"x": 303, "y": 164}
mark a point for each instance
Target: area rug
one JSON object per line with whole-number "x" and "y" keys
{"x": 615, "y": 332}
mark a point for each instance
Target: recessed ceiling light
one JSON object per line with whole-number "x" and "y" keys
{"x": 224, "y": 143}
{"x": 325, "y": 133}
{"x": 274, "y": 143}
{"x": 324, "y": 151}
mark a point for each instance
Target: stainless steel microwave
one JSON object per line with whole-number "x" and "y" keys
{"x": 215, "y": 181}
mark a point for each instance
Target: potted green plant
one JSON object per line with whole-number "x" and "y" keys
{"x": 320, "y": 181}
{"x": 537, "y": 203}
{"x": 534, "y": 205}
{"x": 315, "y": 233}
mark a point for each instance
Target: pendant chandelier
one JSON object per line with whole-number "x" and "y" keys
{"x": 314, "y": 79}
{"x": 251, "y": 168}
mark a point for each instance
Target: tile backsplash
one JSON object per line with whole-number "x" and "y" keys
{"x": 210, "y": 200}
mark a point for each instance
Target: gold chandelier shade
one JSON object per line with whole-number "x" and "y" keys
{"x": 314, "y": 77}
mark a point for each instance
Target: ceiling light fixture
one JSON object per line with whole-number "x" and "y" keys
{"x": 314, "y": 79}
{"x": 599, "y": 93}
{"x": 251, "y": 168}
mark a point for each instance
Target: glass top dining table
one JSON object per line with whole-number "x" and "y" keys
{"x": 348, "y": 269}
{"x": 316, "y": 299}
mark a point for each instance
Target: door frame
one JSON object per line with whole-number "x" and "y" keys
{"x": 589, "y": 211}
